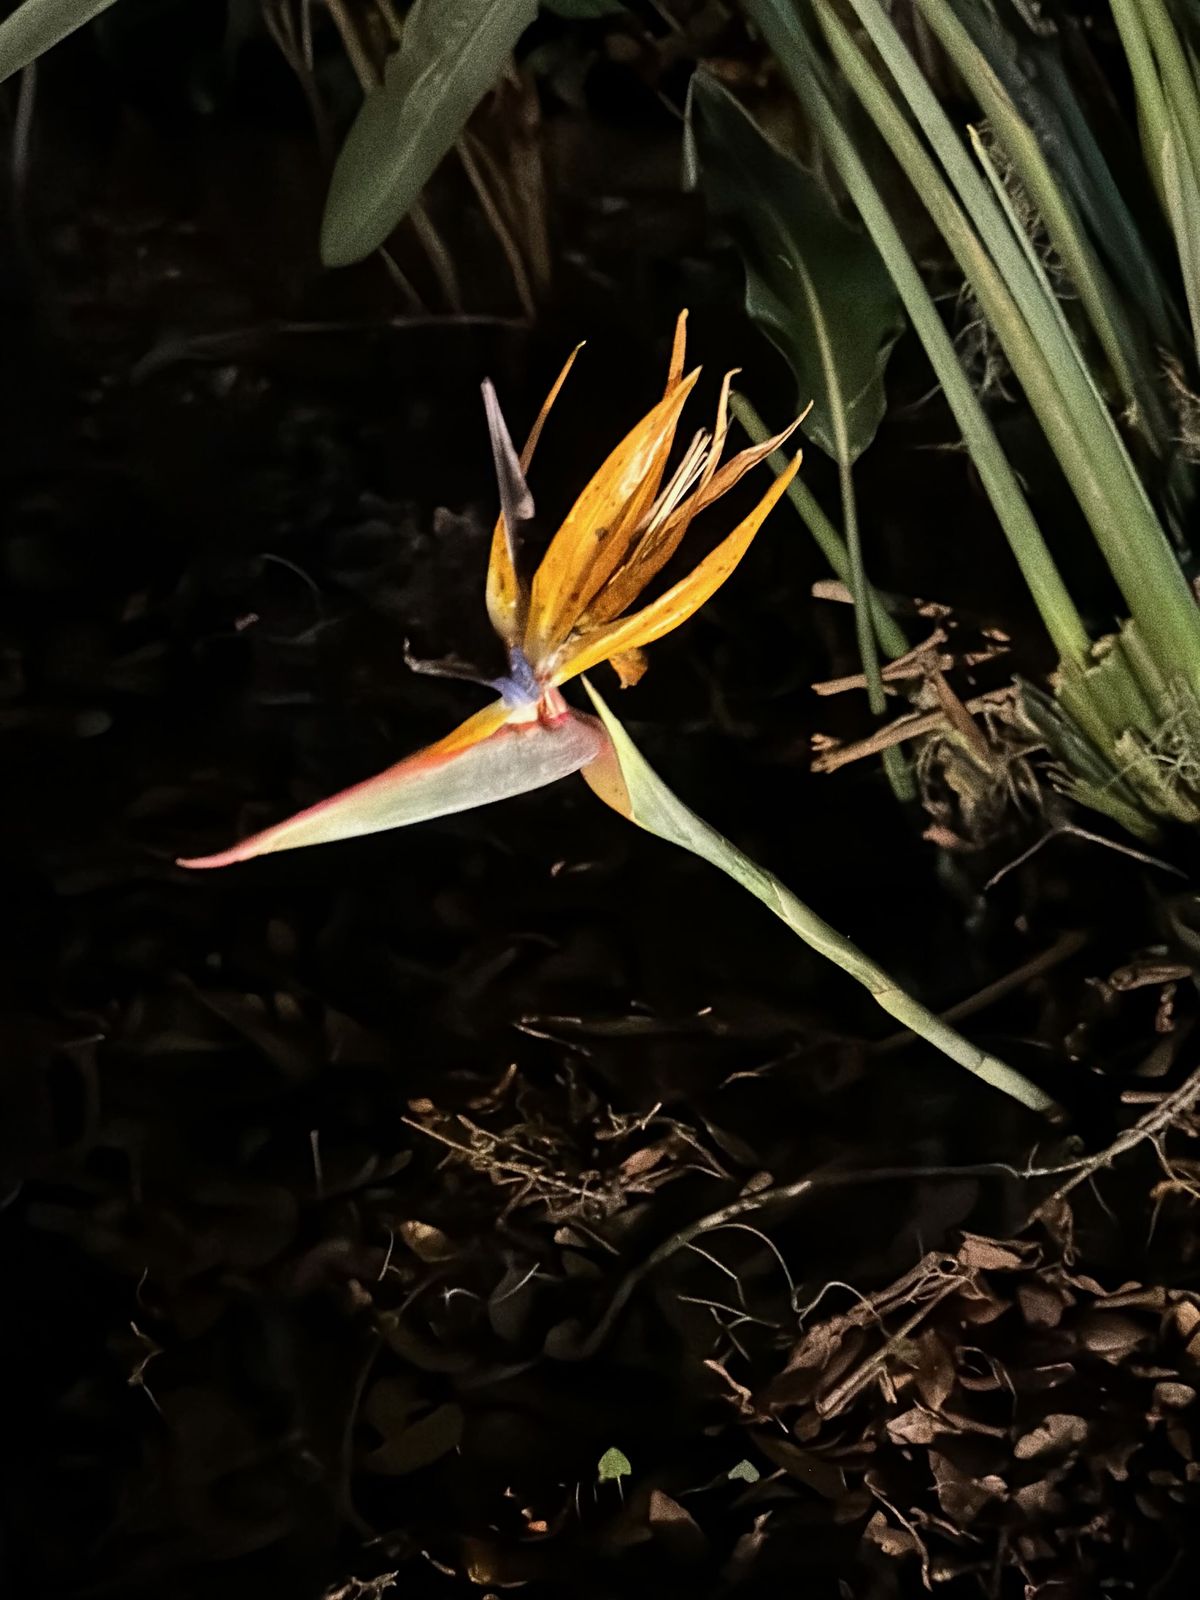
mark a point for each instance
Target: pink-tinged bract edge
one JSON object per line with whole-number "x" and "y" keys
{"x": 423, "y": 762}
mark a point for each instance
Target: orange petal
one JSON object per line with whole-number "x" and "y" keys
{"x": 721, "y": 427}
{"x": 649, "y": 561}
{"x": 640, "y": 505}
{"x": 630, "y": 667}
{"x": 535, "y": 433}
{"x": 596, "y": 535}
{"x": 659, "y": 543}
{"x": 680, "y": 601}
{"x": 480, "y": 725}
{"x": 736, "y": 468}
{"x": 489, "y": 757}
{"x": 507, "y": 602}
{"x": 678, "y": 348}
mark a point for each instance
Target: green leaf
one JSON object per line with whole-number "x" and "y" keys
{"x": 38, "y": 25}
{"x": 613, "y": 1466}
{"x": 744, "y": 1472}
{"x": 816, "y": 286}
{"x": 451, "y": 54}
{"x": 624, "y": 780}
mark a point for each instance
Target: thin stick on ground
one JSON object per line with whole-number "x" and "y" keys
{"x": 1078, "y": 1170}
{"x": 1169, "y": 1110}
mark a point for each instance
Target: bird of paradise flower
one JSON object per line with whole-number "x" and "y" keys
{"x": 574, "y": 614}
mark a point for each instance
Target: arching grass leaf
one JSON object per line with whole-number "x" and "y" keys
{"x": 38, "y": 25}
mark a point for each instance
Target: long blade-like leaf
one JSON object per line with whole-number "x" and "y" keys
{"x": 623, "y": 779}
{"x": 462, "y": 772}
{"x": 1031, "y": 72}
{"x": 451, "y": 54}
{"x": 816, "y": 287}
{"x": 38, "y": 25}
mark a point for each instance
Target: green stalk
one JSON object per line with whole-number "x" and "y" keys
{"x": 894, "y": 760}
{"x": 806, "y": 73}
{"x": 895, "y": 763}
{"x": 1178, "y": 80}
{"x": 638, "y": 793}
{"x": 1004, "y": 201}
{"x": 1142, "y": 666}
{"x": 1169, "y": 125}
{"x": 871, "y": 621}
{"x": 1183, "y": 211}
{"x": 828, "y": 540}
{"x": 1062, "y": 222}
{"x": 1154, "y": 124}
{"x": 1049, "y": 368}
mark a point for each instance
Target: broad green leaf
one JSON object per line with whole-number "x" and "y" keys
{"x": 451, "y": 53}
{"x": 816, "y": 286}
{"x": 744, "y": 1472}
{"x": 613, "y": 1466}
{"x": 38, "y": 25}
{"x": 624, "y": 780}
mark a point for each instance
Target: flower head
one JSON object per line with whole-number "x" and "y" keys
{"x": 620, "y": 533}
{"x": 622, "y": 530}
